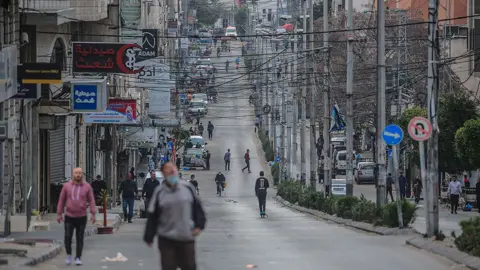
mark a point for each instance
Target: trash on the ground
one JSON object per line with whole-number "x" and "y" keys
{"x": 119, "y": 258}
{"x": 251, "y": 266}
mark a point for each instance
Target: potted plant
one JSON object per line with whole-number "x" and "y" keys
{"x": 105, "y": 229}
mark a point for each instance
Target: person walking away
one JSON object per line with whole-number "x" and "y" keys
{"x": 402, "y": 182}
{"x": 210, "y": 128}
{"x": 149, "y": 186}
{"x": 200, "y": 129}
{"x": 477, "y": 192}
{"x": 178, "y": 161}
{"x": 454, "y": 191}
{"x": 466, "y": 181}
{"x": 226, "y": 158}
{"x": 417, "y": 189}
{"x": 75, "y": 196}
{"x": 191, "y": 131}
{"x": 128, "y": 189}
{"x": 198, "y": 120}
{"x": 98, "y": 185}
{"x": 390, "y": 186}
{"x": 207, "y": 159}
{"x": 257, "y": 123}
{"x": 176, "y": 216}
{"x": 261, "y": 186}
{"x": 220, "y": 182}
{"x": 189, "y": 144}
{"x": 247, "y": 161}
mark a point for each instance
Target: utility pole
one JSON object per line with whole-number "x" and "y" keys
{"x": 282, "y": 136}
{"x": 350, "y": 99}
{"x": 267, "y": 70}
{"x": 179, "y": 63}
{"x": 431, "y": 189}
{"x": 326, "y": 101}
{"x": 303, "y": 123}
{"x": 381, "y": 84}
{"x": 312, "y": 85}
{"x": 295, "y": 107}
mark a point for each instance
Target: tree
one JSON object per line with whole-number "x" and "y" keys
{"x": 454, "y": 110}
{"x": 241, "y": 20}
{"x": 318, "y": 9}
{"x": 209, "y": 11}
{"x": 466, "y": 144}
{"x": 412, "y": 147}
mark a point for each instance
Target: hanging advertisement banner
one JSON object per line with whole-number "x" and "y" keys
{"x": 172, "y": 26}
{"x": 155, "y": 78}
{"x": 139, "y": 137}
{"x": 8, "y": 72}
{"x": 119, "y": 111}
{"x": 47, "y": 73}
{"x": 28, "y": 91}
{"x": 149, "y": 44}
{"x": 89, "y": 95}
{"x": 102, "y": 57}
{"x": 130, "y": 19}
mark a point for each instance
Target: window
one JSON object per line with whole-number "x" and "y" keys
{"x": 58, "y": 54}
{"x": 342, "y": 156}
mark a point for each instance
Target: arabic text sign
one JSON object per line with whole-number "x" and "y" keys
{"x": 28, "y": 91}
{"x": 85, "y": 97}
{"x": 392, "y": 134}
{"x": 119, "y": 111}
{"x": 101, "y": 57}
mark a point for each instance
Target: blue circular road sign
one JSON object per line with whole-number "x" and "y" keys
{"x": 392, "y": 134}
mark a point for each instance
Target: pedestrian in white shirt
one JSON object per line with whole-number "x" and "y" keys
{"x": 454, "y": 191}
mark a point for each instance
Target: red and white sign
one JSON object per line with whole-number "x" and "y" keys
{"x": 119, "y": 111}
{"x": 420, "y": 129}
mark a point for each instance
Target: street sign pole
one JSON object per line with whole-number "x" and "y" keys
{"x": 397, "y": 186}
{"x": 393, "y": 135}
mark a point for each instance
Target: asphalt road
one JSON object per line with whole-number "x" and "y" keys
{"x": 236, "y": 236}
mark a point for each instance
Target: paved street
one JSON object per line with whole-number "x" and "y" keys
{"x": 235, "y": 234}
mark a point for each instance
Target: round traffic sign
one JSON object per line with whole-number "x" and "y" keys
{"x": 392, "y": 134}
{"x": 420, "y": 129}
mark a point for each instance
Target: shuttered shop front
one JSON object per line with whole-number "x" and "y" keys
{"x": 57, "y": 152}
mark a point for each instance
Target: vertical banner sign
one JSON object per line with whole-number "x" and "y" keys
{"x": 130, "y": 18}
{"x": 149, "y": 44}
{"x": 8, "y": 72}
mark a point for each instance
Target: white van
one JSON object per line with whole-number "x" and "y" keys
{"x": 341, "y": 162}
{"x": 341, "y": 140}
{"x": 231, "y": 31}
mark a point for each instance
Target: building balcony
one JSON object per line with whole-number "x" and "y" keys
{"x": 39, "y": 12}
{"x": 91, "y": 10}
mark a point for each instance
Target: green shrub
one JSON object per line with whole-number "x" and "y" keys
{"x": 357, "y": 209}
{"x": 469, "y": 240}
{"x": 266, "y": 145}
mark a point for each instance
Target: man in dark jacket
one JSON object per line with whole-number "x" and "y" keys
{"x": 200, "y": 129}
{"x": 176, "y": 216}
{"x": 210, "y": 128}
{"x": 149, "y": 186}
{"x": 207, "y": 156}
{"x": 261, "y": 186}
{"x": 390, "y": 186}
{"x": 220, "y": 181}
{"x": 128, "y": 189}
{"x": 98, "y": 185}
{"x": 247, "y": 161}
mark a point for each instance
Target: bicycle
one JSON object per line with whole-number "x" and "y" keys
{"x": 220, "y": 188}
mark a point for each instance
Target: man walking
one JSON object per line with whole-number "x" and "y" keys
{"x": 149, "y": 186}
{"x": 210, "y": 128}
{"x": 402, "y": 182}
{"x": 207, "y": 159}
{"x": 128, "y": 189}
{"x": 389, "y": 186}
{"x": 261, "y": 186}
{"x": 200, "y": 129}
{"x": 226, "y": 158}
{"x": 247, "y": 161}
{"x": 74, "y": 197}
{"x": 176, "y": 216}
{"x": 454, "y": 191}
{"x": 98, "y": 185}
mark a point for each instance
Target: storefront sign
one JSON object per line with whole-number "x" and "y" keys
{"x": 47, "y": 73}
{"x": 149, "y": 44}
{"x": 28, "y": 91}
{"x": 89, "y": 95}
{"x": 119, "y": 111}
{"x": 101, "y": 57}
{"x": 8, "y": 72}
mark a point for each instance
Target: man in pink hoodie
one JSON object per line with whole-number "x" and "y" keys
{"x": 75, "y": 197}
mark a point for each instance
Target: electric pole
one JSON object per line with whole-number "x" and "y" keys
{"x": 303, "y": 109}
{"x": 179, "y": 63}
{"x": 311, "y": 83}
{"x": 295, "y": 107}
{"x": 326, "y": 101}
{"x": 381, "y": 84}
{"x": 350, "y": 98}
{"x": 431, "y": 189}
{"x": 282, "y": 136}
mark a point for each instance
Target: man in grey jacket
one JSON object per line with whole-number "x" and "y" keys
{"x": 175, "y": 214}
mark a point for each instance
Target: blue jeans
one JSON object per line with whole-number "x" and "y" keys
{"x": 128, "y": 202}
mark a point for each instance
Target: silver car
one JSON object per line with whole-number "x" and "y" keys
{"x": 365, "y": 172}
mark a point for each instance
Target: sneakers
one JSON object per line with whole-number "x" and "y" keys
{"x": 78, "y": 261}
{"x": 68, "y": 260}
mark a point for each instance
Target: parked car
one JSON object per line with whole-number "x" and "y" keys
{"x": 201, "y": 96}
{"x": 195, "y": 139}
{"x": 365, "y": 172}
{"x": 204, "y": 64}
{"x": 197, "y": 107}
{"x": 193, "y": 157}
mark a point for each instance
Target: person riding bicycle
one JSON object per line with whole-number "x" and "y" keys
{"x": 226, "y": 65}
{"x": 220, "y": 181}
{"x": 261, "y": 186}
{"x": 237, "y": 61}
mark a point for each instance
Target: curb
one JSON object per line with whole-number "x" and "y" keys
{"x": 346, "y": 222}
{"x": 58, "y": 246}
{"x": 452, "y": 254}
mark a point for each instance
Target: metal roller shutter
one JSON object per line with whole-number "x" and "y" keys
{"x": 57, "y": 152}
